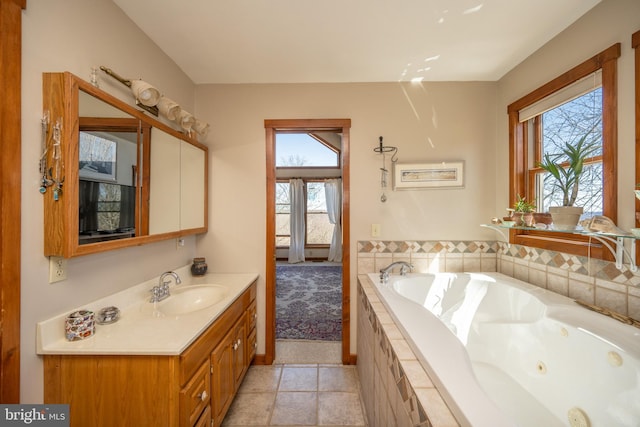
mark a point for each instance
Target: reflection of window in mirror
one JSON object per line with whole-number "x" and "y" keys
{"x": 107, "y": 170}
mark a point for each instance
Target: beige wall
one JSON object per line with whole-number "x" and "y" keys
{"x": 428, "y": 123}
{"x": 74, "y": 35}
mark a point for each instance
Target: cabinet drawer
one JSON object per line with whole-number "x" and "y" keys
{"x": 195, "y": 396}
{"x": 252, "y": 346}
{"x": 252, "y": 316}
{"x": 205, "y": 418}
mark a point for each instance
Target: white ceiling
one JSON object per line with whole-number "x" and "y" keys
{"x": 304, "y": 41}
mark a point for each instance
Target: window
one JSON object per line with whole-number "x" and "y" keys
{"x": 283, "y": 210}
{"x": 568, "y": 123}
{"x": 580, "y": 103}
{"x": 318, "y": 228}
{"x": 302, "y": 150}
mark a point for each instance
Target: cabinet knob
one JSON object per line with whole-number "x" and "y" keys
{"x": 235, "y": 345}
{"x": 239, "y": 342}
{"x": 203, "y": 396}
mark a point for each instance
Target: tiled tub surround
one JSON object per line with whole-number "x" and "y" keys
{"x": 396, "y": 390}
{"x": 591, "y": 280}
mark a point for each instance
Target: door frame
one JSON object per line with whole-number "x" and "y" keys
{"x": 342, "y": 126}
{"x": 10, "y": 196}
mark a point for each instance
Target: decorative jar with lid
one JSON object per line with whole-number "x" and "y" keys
{"x": 199, "y": 267}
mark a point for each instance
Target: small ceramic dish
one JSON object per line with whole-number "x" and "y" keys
{"x": 108, "y": 315}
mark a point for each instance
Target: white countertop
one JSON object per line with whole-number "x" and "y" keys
{"x": 139, "y": 331}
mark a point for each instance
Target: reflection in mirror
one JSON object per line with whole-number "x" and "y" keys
{"x": 107, "y": 171}
{"x": 107, "y": 185}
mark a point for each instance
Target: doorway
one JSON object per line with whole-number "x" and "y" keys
{"x": 273, "y": 128}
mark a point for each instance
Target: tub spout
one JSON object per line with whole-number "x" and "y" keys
{"x": 404, "y": 268}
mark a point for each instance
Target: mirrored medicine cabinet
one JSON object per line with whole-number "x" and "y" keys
{"x": 114, "y": 177}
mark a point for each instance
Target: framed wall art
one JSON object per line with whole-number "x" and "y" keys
{"x": 409, "y": 176}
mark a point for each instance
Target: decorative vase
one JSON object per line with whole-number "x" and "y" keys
{"x": 199, "y": 267}
{"x": 565, "y": 217}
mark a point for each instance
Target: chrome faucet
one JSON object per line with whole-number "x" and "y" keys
{"x": 161, "y": 290}
{"x": 405, "y": 267}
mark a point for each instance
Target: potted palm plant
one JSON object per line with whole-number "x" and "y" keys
{"x": 566, "y": 168}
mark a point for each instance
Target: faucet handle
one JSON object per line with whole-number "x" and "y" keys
{"x": 406, "y": 268}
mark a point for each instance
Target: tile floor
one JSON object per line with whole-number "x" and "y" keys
{"x": 298, "y": 395}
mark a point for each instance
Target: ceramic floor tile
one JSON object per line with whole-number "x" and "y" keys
{"x": 261, "y": 379}
{"x": 339, "y": 408}
{"x": 250, "y": 409}
{"x": 295, "y": 408}
{"x": 337, "y": 379}
{"x": 299, "y": 378}
{"x": 303, "y": 351}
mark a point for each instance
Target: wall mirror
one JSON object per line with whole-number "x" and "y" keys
{"x": 126, "y": 178}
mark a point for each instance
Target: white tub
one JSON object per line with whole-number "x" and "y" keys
{"x": 507, "y": 353}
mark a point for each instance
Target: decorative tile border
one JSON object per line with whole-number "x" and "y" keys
{"x": 426, "y": 247}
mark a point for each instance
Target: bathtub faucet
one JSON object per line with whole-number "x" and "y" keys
{"x": 405, "y": 267}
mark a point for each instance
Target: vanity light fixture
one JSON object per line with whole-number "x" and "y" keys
{"x": 186, "y": 121}
{"x": 144, "y": 93}
{"x": 201, "y": 128}
{"x": 150, "y": 99}
{"x": 138, "y": 90}
{"x": 169, "y": 108}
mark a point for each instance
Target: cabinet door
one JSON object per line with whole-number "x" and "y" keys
{"x": 195, "y": 396}
{"x": 239, "y": 347}
{"x": 222, "y": 378}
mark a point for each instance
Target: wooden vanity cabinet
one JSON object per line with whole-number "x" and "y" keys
{"x": 194, "y": 388}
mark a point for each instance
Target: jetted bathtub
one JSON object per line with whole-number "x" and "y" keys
{"x": 503, "y": 352}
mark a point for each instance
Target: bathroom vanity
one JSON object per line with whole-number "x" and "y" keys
{"x": 155, "y": 368}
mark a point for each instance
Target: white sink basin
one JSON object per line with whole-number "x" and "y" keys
{"x": 187, "y": 299}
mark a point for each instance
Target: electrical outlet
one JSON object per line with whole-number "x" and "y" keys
{"x": 57, "y": 269}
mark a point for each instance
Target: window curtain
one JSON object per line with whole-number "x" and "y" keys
{"x": 296, "y": 221}
{"x": 332, "y": 192}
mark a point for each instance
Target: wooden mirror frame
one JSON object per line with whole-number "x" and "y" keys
{"x": 61, "y": 101}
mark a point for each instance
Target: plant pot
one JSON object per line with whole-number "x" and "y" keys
{"x": 565, "y": 217}
{"x": 517, "y": 219}
{"x": 542, "y": 218}
{"x": 527, "y": 219}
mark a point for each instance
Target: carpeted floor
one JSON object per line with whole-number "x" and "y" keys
{"x": 309, "y": 302}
